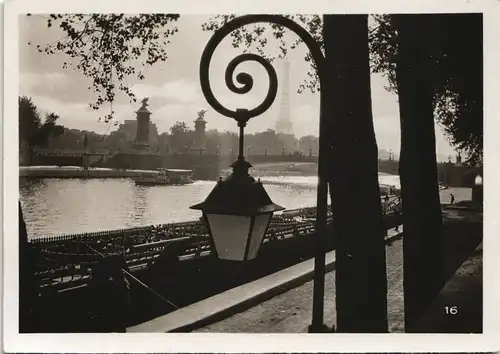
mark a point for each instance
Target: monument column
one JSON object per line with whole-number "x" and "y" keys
{"x": 199, "y": 127}
{"x": 141, "y": 141}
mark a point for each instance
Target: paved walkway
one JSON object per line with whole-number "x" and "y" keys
{"x": 291, "y": 311}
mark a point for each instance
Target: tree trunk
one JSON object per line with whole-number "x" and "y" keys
{"x": 26, "y": 276}
{"x": 423, "y": 240}
{"x": 360, "y": 275}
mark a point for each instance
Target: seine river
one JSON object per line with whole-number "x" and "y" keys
{"x": 58, "y": 206}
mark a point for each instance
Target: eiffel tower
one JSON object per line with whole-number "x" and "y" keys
{"x": 283, "y": 124}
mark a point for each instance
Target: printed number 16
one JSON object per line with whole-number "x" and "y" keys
{"x": 450, "y": 310}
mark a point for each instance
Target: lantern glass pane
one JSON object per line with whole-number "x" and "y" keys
{"x": 259, "y": 229}
{"x": 230, "y": 234}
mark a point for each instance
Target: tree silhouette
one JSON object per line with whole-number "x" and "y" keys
{"x": 423, "y": 240}
{"x": 456, "y": 72}
{"x": 29, "y": 121}
{"x": 48, "y": 129}
{"x": 27, "y": 281}
{"x": 358, "y": 225}
{"x": 180, "y": 136}
{"x": 32, "y": 131}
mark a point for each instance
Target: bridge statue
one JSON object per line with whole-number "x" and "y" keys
{"x": 201, "y": 114}
{"x": 144, "y": 103}
{"x": 141, "y": 141}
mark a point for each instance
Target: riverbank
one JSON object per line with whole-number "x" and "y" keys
{"x": 280, "y": 169}
{"x": 80, "y": 172}
{"x": 290, "y": 311}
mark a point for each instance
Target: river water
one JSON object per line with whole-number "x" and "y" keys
{"x": 59, "y": 206}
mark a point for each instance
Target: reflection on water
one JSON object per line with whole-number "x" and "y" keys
{"x": 55, "y": 206}
{"x": 139, "y": 213}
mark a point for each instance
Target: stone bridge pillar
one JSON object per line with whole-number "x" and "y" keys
{"x": 141, "y": 141}
{"x": 200, "y": 126}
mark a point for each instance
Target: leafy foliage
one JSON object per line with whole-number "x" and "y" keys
{"x": 29, "y": 120}
{"x": 48, "y": 129}
{"x": 106, "y": 47}
{"x": 459, "y": 82}
{"x": 384, "y": 48}
{"x": 31, "y": 129}
{"x": 456, "y": 45}
{"x": 181, "y": 137}
{"x": 179, "y": 128}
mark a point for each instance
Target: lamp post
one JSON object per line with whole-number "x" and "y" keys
{"x": 240, "y": 167}
{"x": 477, "y": 191}
{"x": 238, "y": 210}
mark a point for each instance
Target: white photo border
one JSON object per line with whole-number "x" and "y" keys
{"x": 197, "y": 342}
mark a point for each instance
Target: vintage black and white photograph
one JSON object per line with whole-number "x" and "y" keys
{"x": 250, "y": 173}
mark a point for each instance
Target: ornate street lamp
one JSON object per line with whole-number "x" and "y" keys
{"x": 239, "y": 196}
{"x": 238, "y": 210}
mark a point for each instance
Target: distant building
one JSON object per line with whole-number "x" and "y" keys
{"x": 129, "y": 128}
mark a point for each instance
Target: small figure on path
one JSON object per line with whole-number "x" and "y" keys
{"x": 398, "y": 216}
{"x": 452, "y": 199}
{"x": 386, "y": 203}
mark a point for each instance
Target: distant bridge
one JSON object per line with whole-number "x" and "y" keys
{"x": 205, "y": 165}
{"x": 209, "y": 165}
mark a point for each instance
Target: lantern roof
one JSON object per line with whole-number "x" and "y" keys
{"x": 238, "y": 194}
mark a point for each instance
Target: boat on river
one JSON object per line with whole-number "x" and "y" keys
{"x": 166, "y": 176}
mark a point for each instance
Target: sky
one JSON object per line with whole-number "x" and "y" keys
{"x": 174, "y": 90}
